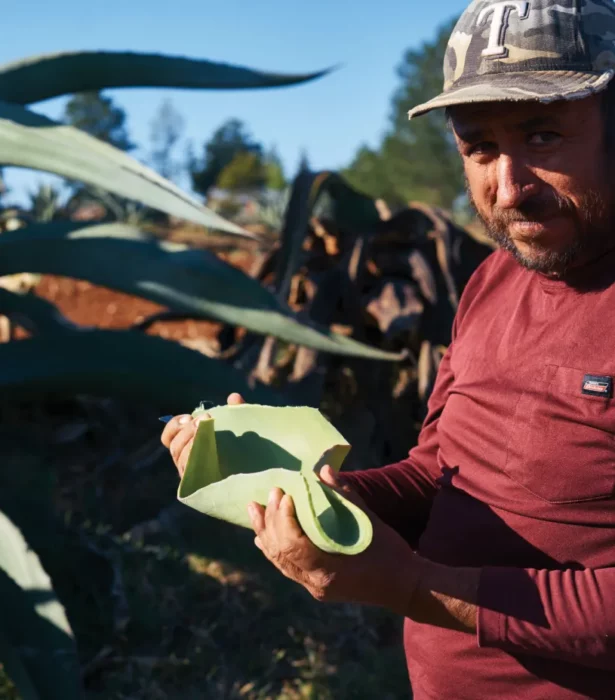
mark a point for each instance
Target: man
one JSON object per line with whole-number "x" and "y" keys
{"x": 495, "y": 538}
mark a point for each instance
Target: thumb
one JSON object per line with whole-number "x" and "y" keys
{"x": 331, "y": 478}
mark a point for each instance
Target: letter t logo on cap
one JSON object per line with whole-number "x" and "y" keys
{"x": 499, "y": 25}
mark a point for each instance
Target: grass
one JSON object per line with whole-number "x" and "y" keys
{"x": 7, "y": 689}
{"x": 165, "y": 603}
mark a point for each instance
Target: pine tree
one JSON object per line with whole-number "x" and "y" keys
{"x": 100, "y": 117}
{"x": 166, "y": 130}
{"x": 417, "y": 159}
{"x": 304, "y": 162}
{"x": 227, "y": 141}
{"x": 275, "y": 178}
{"x": 244, "y": 173}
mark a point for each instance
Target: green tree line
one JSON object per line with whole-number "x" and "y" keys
{"x": 416, "y": 159}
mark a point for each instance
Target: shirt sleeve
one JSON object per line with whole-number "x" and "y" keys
{"x": 567, "y": 615}
{"x": 401, "y": 494}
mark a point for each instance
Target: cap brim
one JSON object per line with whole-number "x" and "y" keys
{"x": 542, "y": 86}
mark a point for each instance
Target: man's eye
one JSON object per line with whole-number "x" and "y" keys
{"x": 543, "y": 138}
{"x": 481, "y": 148}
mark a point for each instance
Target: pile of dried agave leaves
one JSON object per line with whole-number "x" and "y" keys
{"x": 396, "y": 288}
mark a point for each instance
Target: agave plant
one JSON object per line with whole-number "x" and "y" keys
{"x": 119, "y": 257}
{"x": 272, "y": 208}
{"x": 61, "y": 357}
{"x": 45, "y": 203}
{"x": 37, "y": 647}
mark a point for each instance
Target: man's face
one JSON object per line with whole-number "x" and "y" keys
{"x": 538, "y": 176}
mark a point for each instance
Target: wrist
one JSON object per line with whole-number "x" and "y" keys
{"x": 404, "y": 584}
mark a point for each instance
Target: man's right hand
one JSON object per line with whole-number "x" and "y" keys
{"x": 178, "y": 435}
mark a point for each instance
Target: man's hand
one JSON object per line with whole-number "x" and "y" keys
{"x": 178, "y": 435}
{"x": 388, "y": 573}
{"x": 382, "y": 575}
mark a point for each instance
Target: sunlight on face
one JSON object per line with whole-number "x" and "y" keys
{"x": 537, "y": 175}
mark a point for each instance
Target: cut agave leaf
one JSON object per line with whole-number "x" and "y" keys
{"x": 244, "y": 451}
{"x": 29, "y": 140}
{"x": 120, "y": 363}
{"x": 184, "y": 279}
{"x": 37, "y": 647}
{"x": 49, "y": 75}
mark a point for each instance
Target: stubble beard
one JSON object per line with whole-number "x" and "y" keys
{"x": 592, "y": 221}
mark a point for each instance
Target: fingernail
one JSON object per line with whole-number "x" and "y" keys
{"x": 251, "y": 511}
{"x": 272, "y": 495}
{"x": 183, "y": 420}
{"x": 165, "y": 419}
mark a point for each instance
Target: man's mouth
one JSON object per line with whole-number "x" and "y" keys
{"x": 529, "y": 228}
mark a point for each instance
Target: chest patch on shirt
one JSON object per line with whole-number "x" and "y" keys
{"x": 595, "y": 385}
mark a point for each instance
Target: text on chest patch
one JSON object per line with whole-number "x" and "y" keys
{"x": 596, "y": 385}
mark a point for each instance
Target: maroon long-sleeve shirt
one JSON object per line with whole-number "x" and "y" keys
{"x": 514, "y": 472}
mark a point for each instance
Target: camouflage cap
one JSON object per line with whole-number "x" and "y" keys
{"x": 533, "y": 50}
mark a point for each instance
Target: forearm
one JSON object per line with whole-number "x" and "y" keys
{"x": 445, "y": 596}
{"x": 566, "y": 615}
{"x": 399, "y": 494}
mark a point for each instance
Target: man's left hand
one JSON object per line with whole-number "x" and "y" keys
{"x": 382, "y": 575}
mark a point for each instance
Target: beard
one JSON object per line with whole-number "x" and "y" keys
{"x": 591, "y": 221}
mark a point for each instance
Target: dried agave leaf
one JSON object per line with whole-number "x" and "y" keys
{"x": 395, "y": 305}
{"x": 426, "y": 370}
{"x": 244, "y": 451}
{"x": 423, "y": 276}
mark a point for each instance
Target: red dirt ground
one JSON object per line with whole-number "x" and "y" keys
{"x": 91, "y": 305}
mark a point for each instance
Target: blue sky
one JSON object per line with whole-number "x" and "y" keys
{"x": 329, "y": 118}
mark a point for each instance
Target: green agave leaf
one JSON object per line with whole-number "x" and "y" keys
{"x": 243, "y": 452}
{"x": 187, "y": 280}
{"x": 120, "y": 363}
{"x": 49, "y": 75}
{"x": 37, "y": 646}
{"x": 29, "y": 140}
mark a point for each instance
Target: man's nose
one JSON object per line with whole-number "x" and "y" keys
{"x": 515, "y": 182}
